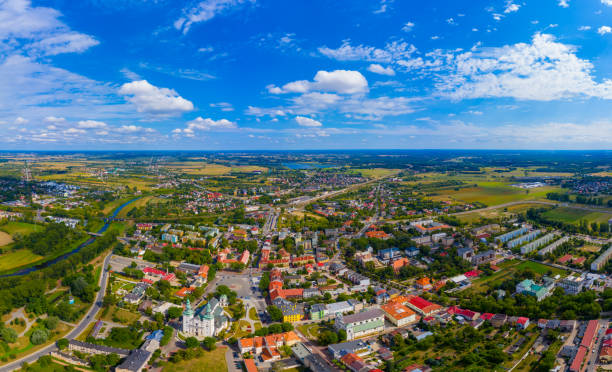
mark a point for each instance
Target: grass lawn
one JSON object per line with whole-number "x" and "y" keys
{"x": 509, "y": 268}
{"x": 22, "y": 228}
{"x": 23, "y": 345}
{"x": 253, "y": 314}
{"x": 311, "y": 331}
{"x": 590, "y": 248}
{"x": 21, "y": 257}
{"x": 111, "y": 206}
{"x": 574, "y": 216}
{"x": 136, "y": 204}
{"x": 211, "y": 361}
{"x": 120, "y": 315}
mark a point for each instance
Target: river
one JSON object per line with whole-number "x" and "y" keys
{"x": 48, "y": 263}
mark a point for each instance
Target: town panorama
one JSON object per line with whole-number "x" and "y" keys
{"x": 306, "y": 185}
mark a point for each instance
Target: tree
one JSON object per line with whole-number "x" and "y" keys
{"x": 327, "y": 338}
{"x": 191, "y": 342}
{"x": 62, "y": 343}
{"x": 51, "y": 322}
{"x": 39, "y": 336}
{"x": 174, "y": 312}
{"x": 275, "y": 313}
{"x": 9, "y": 335}
{"x": 210, "y": 343}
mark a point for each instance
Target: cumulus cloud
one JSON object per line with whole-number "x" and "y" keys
{"x": 201, "y": 124}
{"x": 205, "y": 11}
{"x": 564, "y": 3}
{"x": 584, "y": 28}
{"x": 307, "y": 122}
{"x": 378, "y": 69}
{"x": 338, "y": 81}
{"x": 90, "y": 124}
{"x": 543, "y": 70}
{"x": 604, "y": 30}
{"x": 511, "y": 7}
{"x": 38, "y": 30}
{"x": 150, "y": 99}
{"x": 393, "y": 51}
{"x": 53, "y": 119}
{"x": 607, "y": 2}
{"x": 20, "y": 120}
{"x": 408, "y": 27}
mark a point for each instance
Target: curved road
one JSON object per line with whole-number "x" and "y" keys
{"x": 80, "y": 327}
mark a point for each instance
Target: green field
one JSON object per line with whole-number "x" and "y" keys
{"x": 499, "y": 212}
{"x": 574, "y": 216}
{"x": 210, "y": 361}
{"x": 22, "y": 257}
{"x": 492, "y": 193}
{"x": 22, "y": 228}
{"x": 509, "y": 268}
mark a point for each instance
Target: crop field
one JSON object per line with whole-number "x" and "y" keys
{"x": 22, "y": 228}
{"x": 574, "y": 216}
{"x": 5, "y": 239}
{"x": 207, "y": 169}
{"x": 499, "y": 212}
{"x": 22, "y": 257}
{"x": 377, "y": 172}
{"x": 492, "y": 193}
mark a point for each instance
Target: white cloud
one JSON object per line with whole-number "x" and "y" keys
{"x": 90, "y": 124}
{"x": 53, "y": 119}
{"x": 584, "y": 28}
{"x": 451, "y": 21}
{"x": 132, "y": 129}
{"x": 338, "y": 81}
{"x": 408, "y": 27}
{"x": 74, "y": 131}
{"x": 38, "y": 30}
{"x": 607, "y": 2}
{"x": 392, "y": 52}
{"x": 543, "y": 70}
{"x": 21, "y": 120}
{"x": 511, "y": 7}
{"x": 307, "y": 122}
{"x": 205, "y": 11}
{"x": 200, "y": 123}
{"x": 259, "y": 112}
{"x": 604, "y": 30}
{"x": 153, "y": 100}
{"x": 564, "y": 3}
{"x": 206, "y": 49}
{"x": 378, "y": 69}
{"x": 223, "y": 106}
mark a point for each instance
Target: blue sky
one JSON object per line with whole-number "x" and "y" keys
{"x": 284, "y": 74}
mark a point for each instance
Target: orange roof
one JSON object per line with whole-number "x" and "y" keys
{"x": 250, "y": 365}
{"x": 423, "y": 282}
{"x": 397, "y": 310}
{"x": 400, "y": 299}
{"x": 376, "y": 234}
{"x": 350, "y": 358}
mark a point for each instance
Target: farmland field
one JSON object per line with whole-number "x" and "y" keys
{"x": 377, "y": 172}
{"x": 22, "y": 257}
{"x": 5, "y": 239}
{"x": 22, "y": 228}
{"x": 206, "y": 169}
{"x": 210, "y": 361}
{"x": 492, "y": 193}
{"x": 574, "y": 216}
{"x": 499, "y": 212}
